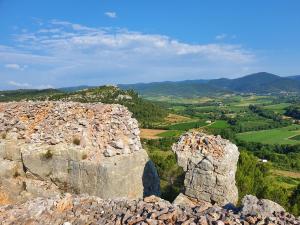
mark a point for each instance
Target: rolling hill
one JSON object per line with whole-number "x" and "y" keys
{"x": 146, "y": 112}
{"x": 260, "y": 83}
{"x": 296, "y": 77}
{"x": 189, "y": 88}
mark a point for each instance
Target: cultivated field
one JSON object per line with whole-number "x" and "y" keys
{"x": 274, "y": 136}
{"x": 151, "y": 133}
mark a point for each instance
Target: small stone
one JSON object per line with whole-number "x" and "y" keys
{"x": 152, "y": 199}
{"x": 67, "y": 223}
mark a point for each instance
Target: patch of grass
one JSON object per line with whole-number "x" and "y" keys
{"x": 279, "y": 108}
{"x": 289, "y": 180}
{"x": 283, "y": 180}
{"x": 151, "y": 133}
{"x": 273, "y": 136}
{"x": 187, "y": 126}
{"x": 296, "y": 138}
{"x": 174, "y": 118}
{"x": 171, "y": 133}
{"x": 76, "y": 141}
{"x": 219, "y": 124}
{"x": 285, "y": 173}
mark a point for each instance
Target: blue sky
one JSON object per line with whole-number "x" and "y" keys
{"x": 56, "y": 43}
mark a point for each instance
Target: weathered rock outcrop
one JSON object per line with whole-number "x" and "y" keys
{"x": 210, "y": 163}
{"x": 251, "y": 205}
{"x": 150, "y": 211}
{"x": 52, "y": 147}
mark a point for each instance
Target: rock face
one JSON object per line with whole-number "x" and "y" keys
{"x": 52, "y": 147}
{"x": 254, "y": 206}
{"x": 185, "y": 201}
{"x": 210, "y": 163}
{"x": 150, "y": 211}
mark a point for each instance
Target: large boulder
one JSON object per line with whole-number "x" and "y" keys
{"x": 184, "y": 201}
{"x": 210, "y": 163}
{"x": 253, "y": 206}
{"x": 72, "y": 147}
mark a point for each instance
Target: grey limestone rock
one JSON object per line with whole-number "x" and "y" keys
{"x": 251, "y": 205}
{"x": 210, "y": 163}
{"x": 72, "y": 147}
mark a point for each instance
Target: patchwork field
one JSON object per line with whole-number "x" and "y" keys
{"x": 151, "y": 133}
{"x": 285, "y": 173}
{"x": 285, "y": 135}
{"x": 187, "y": 126}
{"x": 171, "y": 133}
{"x": 285, "y": 179}
{"x": 173, "y": 118}
{"x": 219, "y": 124}
{"x": 279, "y": 108}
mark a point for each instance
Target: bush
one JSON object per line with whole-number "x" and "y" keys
{"x": 3, "y": 135}
{"x": 84, "y": 156}
{"x": 76, "y": 141}
{"x": 295, "y": 201}
{"x": 48, "y": 154}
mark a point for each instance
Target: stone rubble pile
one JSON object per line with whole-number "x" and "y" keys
{"x": 71, "y": 210}
{"x": 210, "y": 163}
{"x": 105, "y": 129}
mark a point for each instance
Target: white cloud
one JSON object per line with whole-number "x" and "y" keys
{"x": 27, "y": 85}
{"x": 15, "y": 66}
{"x": 111, "y": 14}
{"x": 19, "y": 85}
{"x": 43, "y": 86}
{"x": 223, "y": 36}
{"x": 62, "y": 53}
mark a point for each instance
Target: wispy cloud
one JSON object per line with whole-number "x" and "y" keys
{"x": 15, "y": 66}
{"x": 223, "y": 36}
{"x": 27, "y": 85}
{"x": 63, "y": 53}
{"x": 19, "y": 85}
{"x": 111, "y": 14}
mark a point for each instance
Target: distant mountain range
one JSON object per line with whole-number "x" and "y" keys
{"x": 260, "y": 83}
{"x": 296, "y": 77}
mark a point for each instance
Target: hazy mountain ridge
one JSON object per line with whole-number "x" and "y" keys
{"x": 295, "y": 77}
{"x": 261, "y": 83}
{"x": 189, "y": 88}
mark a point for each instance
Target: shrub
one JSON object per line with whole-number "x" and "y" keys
{"x": 76, "y": 141}
{"x": 3, "y": 135}
{"x": 84, "y": 156}
{"x": 48, "y": 154}
{"x": 16, "y": 174}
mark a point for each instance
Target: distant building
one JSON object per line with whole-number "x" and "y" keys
{"x": 263, "y": 160}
